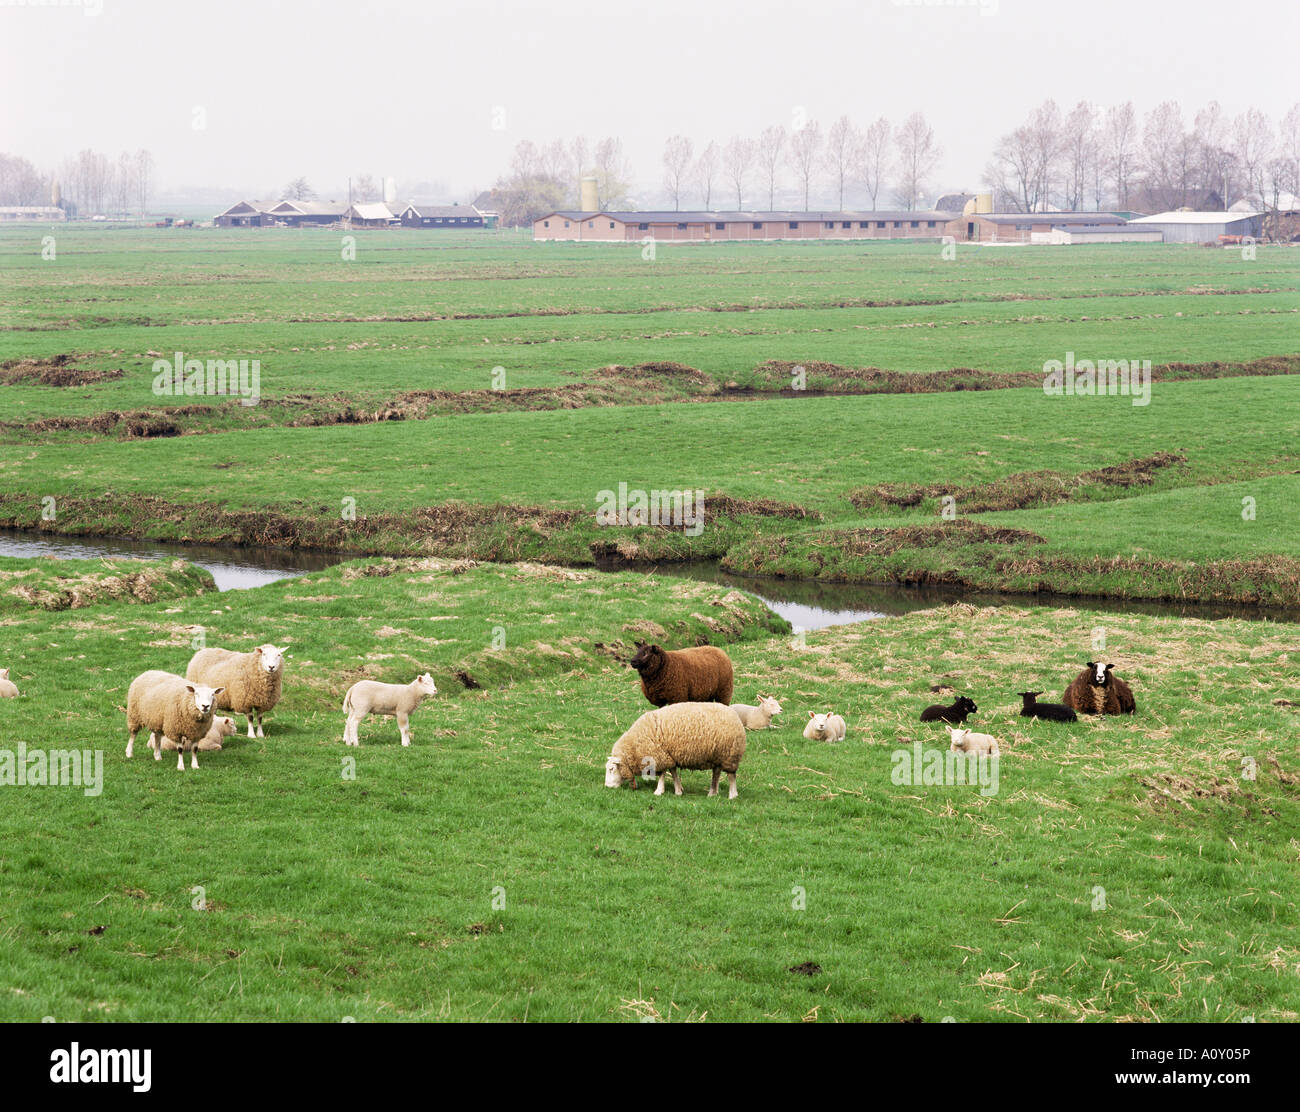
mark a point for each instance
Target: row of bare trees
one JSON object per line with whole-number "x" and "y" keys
{"x": 544, "y": 178}
{"x": 1089, "y": 156}
{"x": 872, "y": 160}
{"x": 88, "y": 183}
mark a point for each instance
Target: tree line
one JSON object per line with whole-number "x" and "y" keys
{"x": 89, "y": 183}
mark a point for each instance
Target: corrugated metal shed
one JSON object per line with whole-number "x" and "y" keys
{"x": 1201, "y": 227}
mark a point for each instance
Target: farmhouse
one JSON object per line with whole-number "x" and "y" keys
{"x": 246, "y": 214}
{"x": 442, "y": 216}
{"x": 1201, "y": 227}
{"x": 705, "y": 227}
{"x": 363, "y": 214}
{"x": 32, "y": 212}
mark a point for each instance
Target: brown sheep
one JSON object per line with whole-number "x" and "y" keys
{"x": 1096, "y": 691}
{"x": 701, "y": 675}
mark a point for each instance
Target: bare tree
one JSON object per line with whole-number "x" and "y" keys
{"x": 771, "y": 146}
{"x": 143, "y": 179}
{"x": 706, "y": 171}
{"x": 843, "y": 143}
{"x": 299, "y": 190}
{"x": 677, "y": 161}
{"x": 805, "y": 148}
{"x": 613, "y": 173}
{"x": 1120, "y": 142}
{"x": 1166, "y": 156}
{"x": 873, "y": 159}
{"x": 1215, "y": 162}
{"x": 1252, "y": 140}
{"x": 365, "y": 188}
{"x": 123, "y": 183}
{"x": 1288, "y": 145}
{"x": 21, "y": 183}
{"x": 579, "y": 164}
{"x": 1079, "y": 148}
{"x": 1013, "y": 171}
{"x": 917, "y": 157}
{"x": 737, "y": 159}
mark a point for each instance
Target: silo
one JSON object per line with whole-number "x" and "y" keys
{"x": 390, "y": 191}
{"x": 590, "y": 196}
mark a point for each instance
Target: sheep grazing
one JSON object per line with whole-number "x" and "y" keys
{"x": 7, "y": 688}
{"x": 759, "y": 717}
{"x": 956, "y": 714}
{"x": 825, "y": 727}
{"x": 700, "y": 675}
{"x": 677, "y": 736}
{"x": 1096, "y": 691}
{"x": 211, "y": 741}
{"x": 251, "y": 680}
{"x": 171, "y": 709}
{"x": 968, "y": 741}
{"x": 1054, "y": 712}
{"x": 370, "y": 697}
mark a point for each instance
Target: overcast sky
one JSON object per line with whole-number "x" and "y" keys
{"x": 412, "y": 89}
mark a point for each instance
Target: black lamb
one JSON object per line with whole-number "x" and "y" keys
{"x": 1054, "y": 712}
{"x": 955, "y": 714}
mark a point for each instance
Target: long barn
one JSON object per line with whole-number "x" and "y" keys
{"x": 704, "y": 227}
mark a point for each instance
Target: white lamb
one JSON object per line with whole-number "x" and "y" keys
{"x": 221, "y": 727}
{"x": 759, "y": 717}
{"x": 170, "y": 708}
{"x": 825, "y": 727}
{"x": 370, "y": 697}
{"x": 968, "y": 741}
{"x": 7, "y": 688}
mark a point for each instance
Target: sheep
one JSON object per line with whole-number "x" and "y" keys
{"x": 370, "y": 697}
{"x": 968, "y": 741}
{"x": 211, "y": 742}
{"x": 7, "y": 688}
{"x": 825, "y": 727}
{"x": 759, "y": 717}
{"x": 1053, "y": 712}
{"x": 677, "y": 736}
{"x": 170, "y": 708}
{"x": 1096, "y": 691}
{"x": 251, "y": 680}
{"x": 700, "y": 675}
{"x": 956, "y": 714}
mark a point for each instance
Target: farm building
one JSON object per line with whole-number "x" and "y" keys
{"x": 246, "y": 214}
{"x": 1124, "y": 233}
{"x": 43, "y": 213}
{"x": 442, "y": 216}
{"x": 296, "y": 214}
{"x": 370, "y": 214}
{"x": 705, "y": 227}
{"x": 1201, "y": 227}
{"x": 1023, "y": 227}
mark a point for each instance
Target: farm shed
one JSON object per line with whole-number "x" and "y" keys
{"x": 1021, "y": 227}
{"x": 706, "y": 227}
{"x": 43, "y": 213}
{"x": 246, "y": 214}
{"x": 1201, "y": 227}
{"x": 371, "y": 214}
{"x": 1124, "y": 234}
{"x": 296, "y": 214}
{"x": 417, "y": 215}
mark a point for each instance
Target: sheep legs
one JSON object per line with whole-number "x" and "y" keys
{"x": 731, "y": 780}
{"x": 250, "y": 715}
{"x": 404, "y": 724}
{"x": 677, "y": 783}
{"x": 713, "y": 788}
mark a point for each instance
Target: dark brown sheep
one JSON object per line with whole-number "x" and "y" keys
{"x": 701, "y": 675}
{"x": 1096, "y": 691}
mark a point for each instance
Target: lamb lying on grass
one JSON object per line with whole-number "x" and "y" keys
{"x": 251, "y": 681}
{"x": 825, "y": 727}
{"x": 968, "y": 741}
{"x": 680, "y": 735}
{"x": 7, "y": 688}
{"x": 211, "y": 743}
{"x": 370, "y": 697}
{"x": 170, "y": 708}
{"x": 1053, "y": 712}
{"x": 759, "y": 717}
{"x": 956, "y": 714}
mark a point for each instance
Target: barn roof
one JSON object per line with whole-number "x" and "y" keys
{"x": 443, "y": 211}
{"x": 735, "y": 217}
{"x": 1194, "y": 218}
{"x": 1049, "y": 217}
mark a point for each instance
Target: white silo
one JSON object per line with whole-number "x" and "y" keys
{"x": 390, "y": 191}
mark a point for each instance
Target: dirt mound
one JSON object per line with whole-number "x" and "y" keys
{"x": 57, "y": 370}
{"x": 885, "y": 541}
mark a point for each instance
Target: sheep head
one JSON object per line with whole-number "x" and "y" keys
{"x": 204, "y": 697}
{"x": 269, "y": 658}
{"x": 1099, "y": 674}
{"x": 649, "y": 659}
{"x": 424, "y": 685}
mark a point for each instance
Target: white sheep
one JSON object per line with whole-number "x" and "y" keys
{"x": 968, "y": 741}
{"x": 7, "y": 688}
{"x": 170, "y": 708}
{"x": 370, "y": 697}
{"x": 251, "y": 681}
{"x": 759, "y": 717}
{"x": 825, "y": 727}
{"x": 221, "y": 727}
{"x": 677, "y": 736}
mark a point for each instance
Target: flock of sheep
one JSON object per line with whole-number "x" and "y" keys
{"x": 696, "y": 726}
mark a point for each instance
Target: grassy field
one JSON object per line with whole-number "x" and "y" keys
{"x": 1122, "y": 870}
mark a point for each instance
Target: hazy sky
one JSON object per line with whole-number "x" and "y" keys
{"x": 412, "y": 89}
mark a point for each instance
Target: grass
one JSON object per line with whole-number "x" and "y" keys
{"x": 486, "y": 873}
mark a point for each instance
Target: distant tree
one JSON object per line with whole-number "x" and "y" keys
{"x": 843, "y": 152}
{"x": 738, "y": 159}
{"x": 706, "y": 171}
{"x": 1118, "y": 146}
{"x": 805, "y": 149}
{"x": 532, "y": 189}
{"x": 1288, "y": 148}
{"x": 365, "y": 188}
{"x": 21, "y": 183}
{"x": 1166, "y": 157}
{"x": 143, "y": 179}
{"x": 613, "y": 173}
{"x": 771, "y": 147}
{"x": 1079, "y": 151}
{"x": 917, "y": 157}
{"x": 873, "y": 162}
{"x": 677, "y": 161}
{"x": 1215, "y": 163}
{"x": 298, "y": 190}
{"x": 1252, "y": 141}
